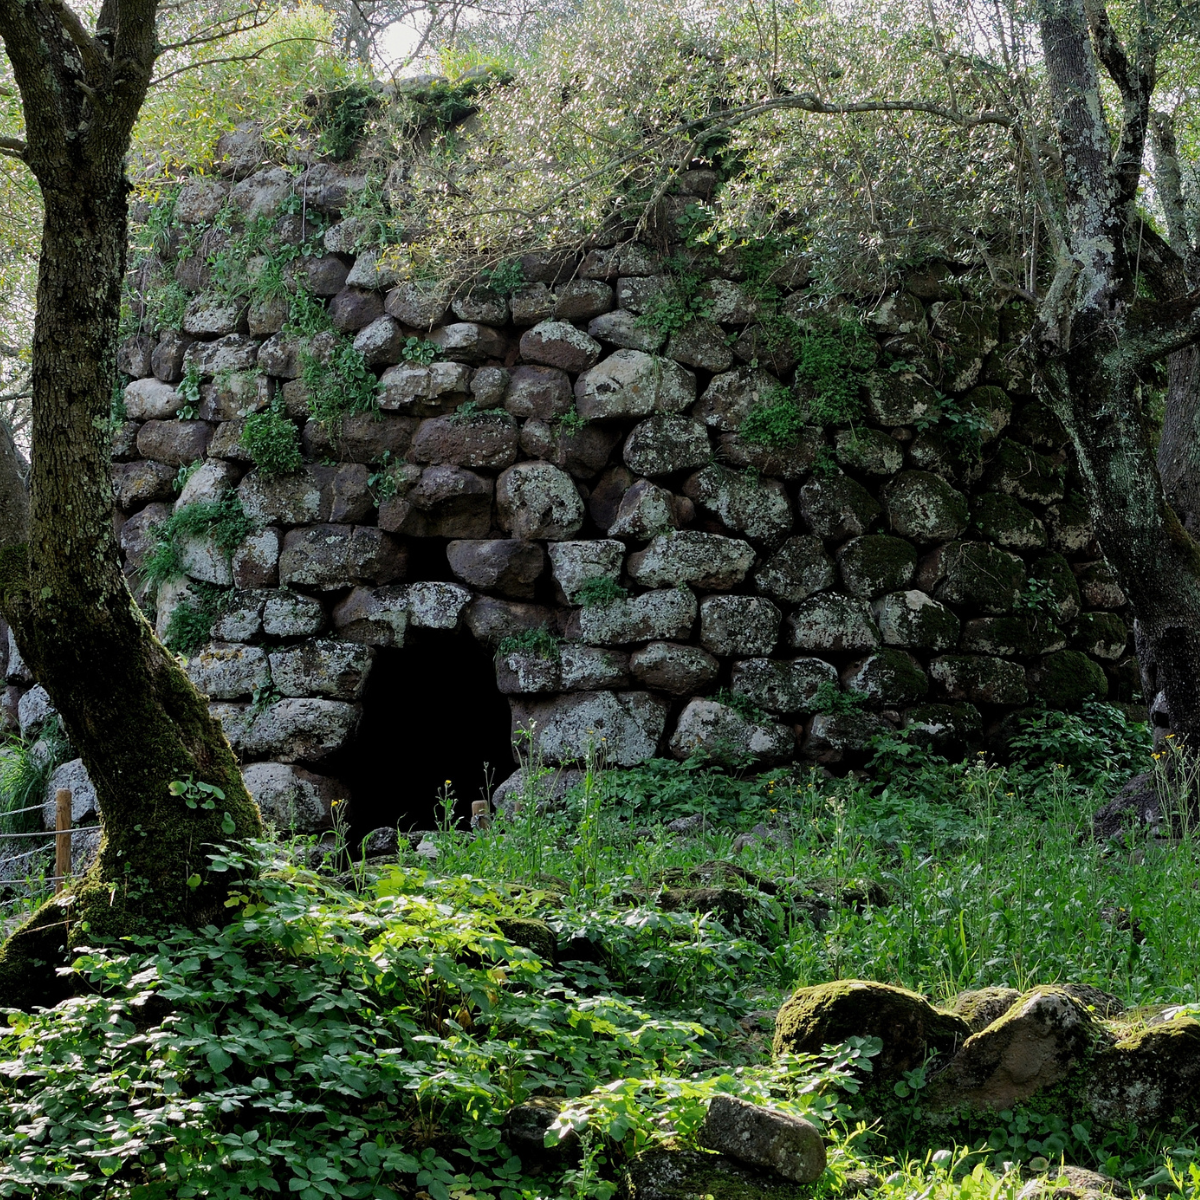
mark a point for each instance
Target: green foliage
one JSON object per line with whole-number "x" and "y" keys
{"x": 962, "y": 427}
{"x": 825, "y": 462}
{"x": 166, "y": 305}
{"x": 1097, "y": 743}
{"x": 505, "y": 277}
{"x": 25, "y": 770}
{"x": 743, "y": 706}
{"x": 830, "y": 700}
{"x": 599, "y": 591}
{"x": 570, "y": 422}
{"x": 420, "y": 350}
{"x": 224, "y": 521}
{"x": 191, "y": 621}
{"x": 273, "y": 441}
{"x": 679, "y": 302}
{"x": 833, "y": 360}
{"x": 341, "y": 116}
{"x": 541, "y": 642}
{"x": 1038, "y": 597}
{"x": 776, "y": 421}
{"x": 185, "y": 473}
{"x": 382, "y": 482}
{"x": 307, "y": 315}
{"x": 342, "y": 384}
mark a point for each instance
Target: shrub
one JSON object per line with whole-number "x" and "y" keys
{"x": 775, "y": 421}
{"x": 343, "y": 384}
{"x": 342, "y": 116}
{"x": 25, "y": 770}
{"x": 273, "y": 442}
{"x": 830, "y": 700}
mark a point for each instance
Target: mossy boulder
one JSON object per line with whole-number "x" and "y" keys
{"x": 1070, "y": 525}
{"x": 870, "y": 451}
{"x": 1065, "y": 680}
{"x": 530, "y": 933}
{"x": 842, "y": 737}
{"x": 1098, "y": 585}
{"x": 1053, "y": 573}
{"x": 946, "y": 728}
{"x": 992, "y": 408}
{"x": 1149, "y": 1076}
{"x": 838, "y": 507}
{"x": 1009, "y": 368}
{"x": 874, "y": 563}
{"x": 981, "y": 576}
{"x": 674, "y": 1173}
{"x": 1101, "y": 635}
{"x": 1015, "y": 635}
{"x": 892, "y": 678}
{"x": 1037, "y": 424}
{"x": 1007, "y": 522}
{"x": 798, "y": 569}
{"x": 980, "y": 679}
{"x": 980, "y": 1008}
{"x": 913, "y": 620}
{"x": 911, "y": 1029}
{"x": 1021, "y": 471}
{"x": 925, "y": 508}
{"x": 899, "y": 398}
{"x": 969, "y": 332}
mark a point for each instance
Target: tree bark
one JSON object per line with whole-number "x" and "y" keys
{"x": 126, "y": 705}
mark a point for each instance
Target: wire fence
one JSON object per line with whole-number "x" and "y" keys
{"x": 62, "y": 839}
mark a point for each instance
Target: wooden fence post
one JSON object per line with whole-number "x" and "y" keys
{"x": 62, "y": 841}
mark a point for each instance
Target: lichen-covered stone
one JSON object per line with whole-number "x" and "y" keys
{"x": 580, "y": 451}
{"x": 915, "y": 621}
{"x": 424, "y": 391}
{"x": 786, "y": 687}
{"x": 675, "y": 668}
{"x": 664, "y": 615}
{"x": 625, "y": 726}
{"x": 663, "y": 444}
{"x": 502, "y": 565}
{"x": 1100, "y": 634}
{"x": 838, "y": 507}
{"x": 832, "y": 623}
{"x": 646, "y": 510}
{"x": 1066, "y": 679}
{"x": 418, "y": 305}
{"x": 1098, "y": 586}
{"x": 700, "y": 344}
{"x": 992, "y": 409}
{"x": 790, "y": 462}
{"x": 739, "y": 626}
{"x": 1055, "y": 579}
{"x": 704, "y": 560}
{"x": 151, "y": 400}
{"x": 925, "y": 508}
{"x": 577, "y": 563}
{"x": 1148, "y": 1077}
{"x": 969, "y": 332}
{"x": 176, "y": 443}
{"x": 288, "y": 614}
{"x": 293, "y": 730}
{"x": 228, "y": 672}
{"x": 1017, "y": 635}
{"x": 491, "y": 620}
{"x": 469, "y": 342}
{"x": 731, "y": 397}
{"x": 719, "y": 732}
{"x": 899, "y": 398}
{"x": 891, "y": 678}
{"x": 592, "y": 668}
{"x": 980, "y": 1008}
{"x": 870, "y": 451}
{"x": 525, "y": 672}
{"x": 789, "y": 1146}
{"x": 945, "y": 728}
{"x": 328, "y": 557}
{"x": 911, "y": 1029}
{"x": 1035, "y": 1045}
{"x": 798, "y": 568}
{"x": 622, "y": 329}
{"x": 873, "y": 564}
{"x": 582, "y": 299}
{"x": 1007, "y": 522}
{"x": 1038, "y": 425}
{"x": 373, "y": 616}
{"x": 1070, "y": 525}
{"x": 1020, "y": 471}
{"x": 444, "y": 501}
{"x": 977, "y": 575}
{"x": 537, "y": 500}
{"x": 321, "y": 668}
{"x": 283, "y": 499}
{"x": 291, "y": 798}
{"x": 980, "y": 679}
{"x": 73, "y": 777}
{"x": 758, "y": 508}
{"x": 434, "y": 604}
{"x": 631, "y": 383}
{"x": 487, "y": 440}
{"x": 899, "y": 312}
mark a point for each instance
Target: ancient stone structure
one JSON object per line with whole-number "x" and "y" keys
{"x": 572, "y": 484}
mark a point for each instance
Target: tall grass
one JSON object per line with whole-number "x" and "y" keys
{"x": 25, "y": 770}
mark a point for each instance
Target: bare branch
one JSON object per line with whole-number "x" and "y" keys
{"x": 208, "y": 62}
{"x": 12, "y": 148}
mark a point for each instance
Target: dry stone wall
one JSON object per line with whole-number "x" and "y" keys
{"x": 579, "y": 471}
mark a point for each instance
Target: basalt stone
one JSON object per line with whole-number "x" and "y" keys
{"x": 933, "y": 451}
{"x": 607, "y": 494}
{"x": 1100, "y": 634}
{"x": 137, "y": 538}
{"x": 671, "y": 667}
{"x": 1064, "y": 680}
{"x": 525, "y": 672}
{"x": 538, "y": 500}
{"x": 487, "y": 439}
{"x": 889, "y": 677}
{"x": 134, "y": 356}
{"x": 283, "y": 499}
{"x": 373, "y": 272}
{"x": 1036, "y": 424}
{"x": 330, "y": 187}
{"x": 321, "y": 668}
{"x": 900, "y": 312}
{"x": 992, "y": 409}
{"x": 417, "y": 305}
{"x": 630, "y": 383}
{"x": 151, "y": 400}
{"x": 980, "y": 679}
{"x": 506, "y": 566}
{"x": 424, "y": 391}
{"x": 902, "y": 398}
{"x": 969, "y": 332}
{"x": 174, "y": 442}
{"x": 870, "y": 451}
{"x": 235, "y": 352}
{"x": 255, "y": 562}
{"x": 373, "y": 616}
{"x": 209, "y": 315}
{"x": 581, "y": 452}
{"x": 138, "y": 483}
{"x": 703, "y": 560}
{"x": 700, "y": 344}
{"x": 980, "y": 576}
{"x": 169, "y": 597}
{"x": 622, "y": 329}
{"x": 785, "y": 687}
{"x": 1097, "y": 585}
{"x": 925, "y": 508}
{"x": 482, "y": 306}
{"x": 469, "y": 342}
{"x": 240, "y": 619}
{"x": 381, "y": 342}
{"x": 262, "y": 194}
{"x": 628, "y": 725}
{"x": 1022, "y": 472}
{"x": 787, "y": 462}
{"x": 200, "y": 199}
{"x": 662, "y": 445}
{"x": 873, "y": 564}
{"x": 329, "y": 557}
{"x": 944, "y": 728}
{"x": 1070, "y": 525}
{"x": 435, "y": 604}
{"x": 558, "y": 344}
{"x": 910, "y": 1028}
{"x": 582, "y": 299}
{"x": 646, "y": 511}
{"x": 287, "y": 614}
{"x": 631, "y": 258}
{"x": 638, "y": 293}
{"x": 360, "y": 437}
{"x": 293, "y": 730}
{"x": 761, "y": 345}
{"x": 732, "y": 396}
{"x": 832, "y": 623}
{"x": 759, "y": 508}
{"x": 228, "y": 672}
{"x": 674, "y": 1173}
{"x": 798, "y": 569}
{"x": 727, "y": 303}
{"x": 664, "y": 615}
{"x": 1060, "y": 592}
{"x": 542, "y": 393}
{"x": 280, "y": 355}
{"x": 445, "y": 501}
{"x": 292, "y": 798}
{"x": 837, "y": 507}
{"x": 203, "y": 560}
{"x": 592, "y": 668}
{"x": 73, "y": 776}
{"x": 915, "y": 621}
{"x": 34, "y": 709}
{"x": 788, "y": 1146}
{"x": 1017, "y": 635}
{"x": 1149, "y": 1076}
{"x": 739, "y": 626}
{"x": 267, "y": 315}
{"x": 721, "y": 733}
{"x": 1009, "y": 367}
{"x": 1007, "y": 522}
{"x": 236, "y": 394}
{"x": 531, "y": 304}
{"x": 489, "y": 385}
{"x": 577, "y": 563}
{"x": 491, "y": 620}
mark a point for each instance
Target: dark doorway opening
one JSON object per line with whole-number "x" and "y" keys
{"x": 431, "y": 713}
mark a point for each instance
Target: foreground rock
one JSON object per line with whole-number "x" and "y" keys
{"x": 671, "y": 1173}
{"x": 789, "y": 1146}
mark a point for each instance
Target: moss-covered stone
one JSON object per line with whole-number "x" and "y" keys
{"x": 914, "y": 620}
{"x": 946, "y": 728}
{"x": 1150, "y": 1076}
{"x": 933, "y": 451}
{"x": 968, "y": 332}
{"x": 874, "y": 563}
{"x": 1098, "y": 585}
{"x": 1070, "y": 525}
{"x": 890, "y": 677}
{"x": 899, "y": 399}
{"x": 981, "y": 576}
{"x": 1021, "y": 471}
{"x": 1065, "y": 680}
{"x": 530, "y": 933}
{"x": 1015, "y": 635}
{"x": 870, "y": 451}
{"x": 910, "y": 1028}
{"x": 1037, "y": 425}
{"x": 1008, "y": 367}
{"x": 1007, "y": 522}
{"x": 992, "y": 408}
{"x": 838, "y": 507}
{"x": 798, "y": 569}
{"x": 1101, "y": 635}
{"x": 833, "y": 738}
{"x": 980, "y": 1008}
{"x": 1054, "y": 574}
{"x": 674, "y": 1173}
{"x": 980, "y": 679}
{"x": 925, "y": 508}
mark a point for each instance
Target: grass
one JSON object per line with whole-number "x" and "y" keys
{"x": 368, "y": 1031}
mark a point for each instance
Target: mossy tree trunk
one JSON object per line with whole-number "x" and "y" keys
{"x": 129, "y": 710}
{"x": 1099, "y": 337}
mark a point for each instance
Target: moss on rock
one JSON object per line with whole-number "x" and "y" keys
{"x": 1020, "y": 471}
{"x": 981, "y": 576}
{"x": 1015, "y": 635}
{"x": 874, "y": 564}
{"x": 892, "y": 678}
{"x": 530, "y": 933}
{"x": 674, "y": 1173}
{"x": 1150, "y": 1076}
{"x": 1007, "y": 522}
{"x": 1056, "y": 579}
{"x": 980, "y": 1008}
{"x": 1066, "y": 679}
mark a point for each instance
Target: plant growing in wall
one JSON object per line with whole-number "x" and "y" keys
{"x": 337, "y": 385}
{"x": 224, "y": 521}
{"x": 775, "y": 421}
{"x": 599, "y": 591}
{"x": 273, "y": 441}
{"x": 191, "y": 621}
{"x": 540, "y": 642}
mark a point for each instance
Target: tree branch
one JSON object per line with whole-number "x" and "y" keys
{"x": 90, "y": 51}
{"x": 12, "y": 148}
{"x": 208, "y": 62}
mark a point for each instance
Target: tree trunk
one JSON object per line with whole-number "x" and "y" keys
{"x": 127, "y": 707}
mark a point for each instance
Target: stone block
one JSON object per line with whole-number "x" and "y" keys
{"x": 373, "y": 616}
{"x": 732, "y": 395}
{"x": 433, "y": 604}
{"x": 1020, "y": 471}
{"x": 489, "y": 386}
{"x": 234, "y": 352}
{"x": 647, "y": 510}
{"x": 980, "y": 576}
{"x": 213, "y": 315}
{"x": 445, "y": 501}
{"x": 780, "y": 1143}
{"x": 582, "y": 299}
{"x": 580, "y": 451}
{"x": 176, "y": 443}
{"x": 353, "y": 309}
{"x": 638, "y": 293}
{"x": 874, "y": 564}
{"x": 713, "y": 730}
{"x": 372, "y": 272}
{"x": 899, "y": 399}
{"x": 576, "y": 563}
{"x": 491, "y": 620}
{"x": 200, "y": 199}
{"x": 1064, "y": 680}
{"x": 151, "y": 400}
{"x": 701, "y": 344}
{"x": 969, "y": 332}
{"x": 979, "y": 679}
{"x": 833, "y": 738}
{"x": 292, "y": 798}
{"x": 166, "y": 361}
{"x": 469, "y": 342}
{"x": 330, "y": 557}
{"x": 292, "y": 730}
{"x": 759, "y": 508}
{"x": 525, "y": 672}
{"x": 542, "y": 393}
{"x": 1016, "y": 635}
{"x": 255, "y": 562}
{"x": 626, "y": 726}
{"x": 203, "y": 560}
{"x": 381, "y": 342}
{"x": 1069, "y": 525}
{"x": 1007, "y": 522}
{"x": 797, "y": 570}
{"x": 870, "y": 451}
{"x": 837, "y": 507}
{"x": 558, "y": 344}
{"x": 487, "y": 439}
{"x": 506, "y": 566}
{"x": 424, "y": 390}
{"x": 288, "y": 614}
{"x": 1098, "y": 585}
{"x": 362, "y": 437}
{"x": 925, "y": 508}
{"x": 739, "y": 626}
{"x": 945, "y": 728}
{"x": 592, "y": 668}
{"x": 830, "y": 623}
{"x": 34, "y": 709}
{"x": 1060, "y": 593}
{"x": 322, "y": 668}
{"x": 664, "y": 444}
{"x": 73, "y": 777}
{"x": 531, "y": 304}
{"x": 1100, "y": 634}
{"x": 538, "y": 500}
{"x": 630, "y": 258}
{"x": 703, "y": 560}
{"x": 915, "y": 621}
{"x": 418, "y": 305}
{"x": 671, "y": 667}
{"x": 788, "y": 462}
{"x": 136, "y": 538}
{"x": 234, "y": 395}
{"x": 229, "y": 672}
{"x": 240, "y": 618}
{"x": 482, "y": 306}
{"x": 124, "y": 441}
{"x": 284, "y": 499}
{"x": 891, "y": 678}
{"x": 667, "y": 615}
{"x": 139, "y": 483}
{"x": 781, "y": 686}
{"x": 622, "y": 329}
{"x": 631, "y": 383}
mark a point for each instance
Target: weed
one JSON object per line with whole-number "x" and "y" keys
{"x": 679, "y": 302}
{"x": 541, "y": 642}
{"x": 743, "y": 706}
{"x": 964, "y": 428}
{"x": 420, "y": 350}
{"x": 570, "y": 422}
{"x": 341, "y": 116}
{"x": 504, "y": 278}
{"x": 224, "y": 521}
{"x": 273, "y": 441}
{"x": 830, "y": 700}
{"x": 185, "y": 473}
{"x": 777, "y": 420}
{"x": 825, "y": 462}
{"x": 1038, "y": 597}
{"x": 382, "y": 482}
{"x": 343, "y": 384}
{"x": 599, "y": 591}
{"x": 191, "y": 621}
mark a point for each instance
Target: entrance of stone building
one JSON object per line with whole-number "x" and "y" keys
{"x": 431, "y": 713}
